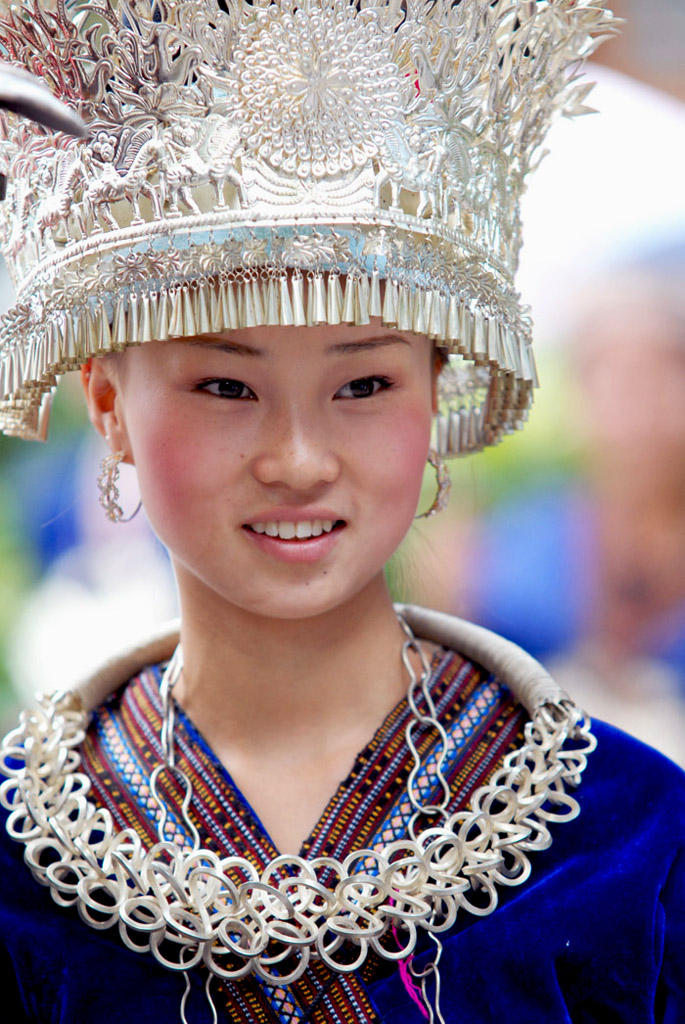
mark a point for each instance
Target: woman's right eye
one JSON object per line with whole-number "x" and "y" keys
{"x": 224, "y": 387}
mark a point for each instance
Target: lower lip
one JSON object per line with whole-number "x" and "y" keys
{"x": 296, "y": 551}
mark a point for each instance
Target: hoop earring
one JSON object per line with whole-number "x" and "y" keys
{"x": 444, "y": 481}
{"x": 109, "y": 492}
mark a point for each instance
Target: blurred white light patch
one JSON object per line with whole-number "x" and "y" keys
{"x": 609, "y": 191}
{"x": 101, "y": 596}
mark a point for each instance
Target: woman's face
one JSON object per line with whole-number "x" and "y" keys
{"x": 281, "y": 466}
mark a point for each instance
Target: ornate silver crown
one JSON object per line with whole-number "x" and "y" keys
{"x": 288, "y": 162}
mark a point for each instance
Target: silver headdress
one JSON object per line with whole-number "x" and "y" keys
{"x": 287, "y": 162}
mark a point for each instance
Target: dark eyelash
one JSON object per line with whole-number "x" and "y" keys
{"x": 204, "y": 385}
{"x": 385, "y": 382}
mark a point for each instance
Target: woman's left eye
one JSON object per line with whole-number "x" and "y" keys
{"x": 224, "y": 387}
{"x": 364, "y": 387}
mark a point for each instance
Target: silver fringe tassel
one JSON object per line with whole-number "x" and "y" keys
{"x": 235, "y": 301}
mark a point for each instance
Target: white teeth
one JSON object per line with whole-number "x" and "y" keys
{"x": 290, "y": 531}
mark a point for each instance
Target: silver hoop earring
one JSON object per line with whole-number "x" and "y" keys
{"x": 444, "y": 482}
{"x": 109, "y": 492}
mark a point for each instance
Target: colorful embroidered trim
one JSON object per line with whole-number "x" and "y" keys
{"x": 369, "y": 809}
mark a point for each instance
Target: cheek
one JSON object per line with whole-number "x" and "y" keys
{"x": 174, "y": 469}
{"x": 400, "y": 463}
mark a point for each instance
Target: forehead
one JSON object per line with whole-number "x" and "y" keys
{"x": 278, "y": 344}
{"x": 286, "y": 350}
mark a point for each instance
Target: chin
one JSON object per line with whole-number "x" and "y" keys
{"x": 307, "y": 599}
{"x": 298, "y": 607}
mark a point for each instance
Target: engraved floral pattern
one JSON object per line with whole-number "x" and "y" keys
{"x": 323, "y": 83}
{"x": 232, "y": 138}
{"x": 138, "y": 266}
{"x": 314, "y": 251}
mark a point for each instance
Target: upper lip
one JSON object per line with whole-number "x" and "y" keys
{"x": 294, "y": 515}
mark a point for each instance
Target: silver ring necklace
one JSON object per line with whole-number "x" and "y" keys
{"x": 190, "y": 907}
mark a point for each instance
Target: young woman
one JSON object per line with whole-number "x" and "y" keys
{"x": 308, "y": 802}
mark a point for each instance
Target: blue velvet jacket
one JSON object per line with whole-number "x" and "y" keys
{"x": 597, "y": 934}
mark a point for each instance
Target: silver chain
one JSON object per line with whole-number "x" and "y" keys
{"x": 431, "y": 970}
{"x": 168, "y": 764}
{"x": 418, "y": 695}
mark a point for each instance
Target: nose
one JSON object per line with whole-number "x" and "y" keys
{"x": 296, "y": 454}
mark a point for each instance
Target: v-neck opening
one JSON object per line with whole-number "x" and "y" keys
{"x": 399, "y": 710}
{"x": 369, "y": 808}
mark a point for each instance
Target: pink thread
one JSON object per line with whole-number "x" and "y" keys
{"x": 413, "y": 990}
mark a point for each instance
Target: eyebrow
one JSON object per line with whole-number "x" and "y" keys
{"x": 234, "y": 347}
{"x": 345, "y": 347}
{"x": 341, "y": 348}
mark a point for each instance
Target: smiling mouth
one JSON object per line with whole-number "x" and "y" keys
{"x": 296, "y": 531}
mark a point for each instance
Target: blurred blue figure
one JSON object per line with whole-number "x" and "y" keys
{"x": 589, "y": 574}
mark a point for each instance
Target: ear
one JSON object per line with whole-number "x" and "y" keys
{"x": 101, "y": 384}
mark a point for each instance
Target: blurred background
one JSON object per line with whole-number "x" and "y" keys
{"x": 567, "y": 538}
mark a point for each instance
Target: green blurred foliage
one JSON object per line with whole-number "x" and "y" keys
{"x": 549, "y": 447}
{"x": 18, "y": 562}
